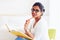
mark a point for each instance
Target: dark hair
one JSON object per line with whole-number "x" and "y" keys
{"x": 40, "y": 6}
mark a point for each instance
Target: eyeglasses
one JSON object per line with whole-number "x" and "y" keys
{"x": 35, "y": 10}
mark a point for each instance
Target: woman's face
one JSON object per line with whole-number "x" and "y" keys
{"x": 36, "y": 12}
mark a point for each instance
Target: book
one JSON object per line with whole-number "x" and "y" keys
{"x": 20, "y": 34}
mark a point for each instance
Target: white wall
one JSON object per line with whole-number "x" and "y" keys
{"x": 54, "y": 18}
{"x": 20, "y": 7}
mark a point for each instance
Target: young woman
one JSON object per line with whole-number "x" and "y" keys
{"x": 36, "y": 28}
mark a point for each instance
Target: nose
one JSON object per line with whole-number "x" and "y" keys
{"x": 33, "y": 12}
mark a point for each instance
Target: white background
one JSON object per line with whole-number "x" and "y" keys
{"x": 54, "y": 18}
{"x": 14, "y": 13}
{"x": 10, "y": 9}
{"x": 20, "y": 7}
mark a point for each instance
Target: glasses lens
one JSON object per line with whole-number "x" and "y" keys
{"x": 35, "y": 10}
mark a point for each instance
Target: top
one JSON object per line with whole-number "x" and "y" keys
{"x": 40, "y": 31}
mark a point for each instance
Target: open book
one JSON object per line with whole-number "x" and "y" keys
{"x": 17, "y": 33}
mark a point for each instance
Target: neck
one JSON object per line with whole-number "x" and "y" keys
{"x": 37, "y": 19}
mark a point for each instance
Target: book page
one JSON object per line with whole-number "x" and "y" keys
{"x": 17, "y": 33}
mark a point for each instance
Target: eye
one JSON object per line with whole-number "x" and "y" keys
{"x": 33, "y": 9}
{"x": 37, "y": 10}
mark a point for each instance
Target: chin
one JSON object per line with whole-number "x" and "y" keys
{"x": 33, "y": 16}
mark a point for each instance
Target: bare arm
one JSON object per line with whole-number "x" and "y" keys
{"x": 26, "y": 29}
{"x": 29, "y": 33}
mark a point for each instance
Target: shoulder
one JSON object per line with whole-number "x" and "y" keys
{"x": 43, "y": 21}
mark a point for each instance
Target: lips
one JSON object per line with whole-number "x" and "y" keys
{"x": 33, "y": 15}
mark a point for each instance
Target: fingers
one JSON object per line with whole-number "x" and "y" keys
{"x": 28, "y": 21}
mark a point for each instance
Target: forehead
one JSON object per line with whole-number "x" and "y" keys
{"x": 35, "y": 7}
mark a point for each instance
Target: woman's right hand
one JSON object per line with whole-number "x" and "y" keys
{"x": 27, "y": 32}
{"x": 26, "y": 24}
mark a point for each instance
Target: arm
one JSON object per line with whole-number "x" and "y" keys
{"x": 26, "y": 29}
{"x": 29, "y": 33}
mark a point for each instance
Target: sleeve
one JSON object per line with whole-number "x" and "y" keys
{"x": 41, "y": 31}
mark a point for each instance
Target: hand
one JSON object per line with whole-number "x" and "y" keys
{"x": 26, "y": 23}
{"x": 27, "y": 32}
{"x": 26, "y": 26}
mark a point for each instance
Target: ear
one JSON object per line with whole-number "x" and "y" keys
{"x": 43, "y": 10}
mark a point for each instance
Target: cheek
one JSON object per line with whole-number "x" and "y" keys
{"x": 39, "y": 14}
{"x": 34, "y": 14}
